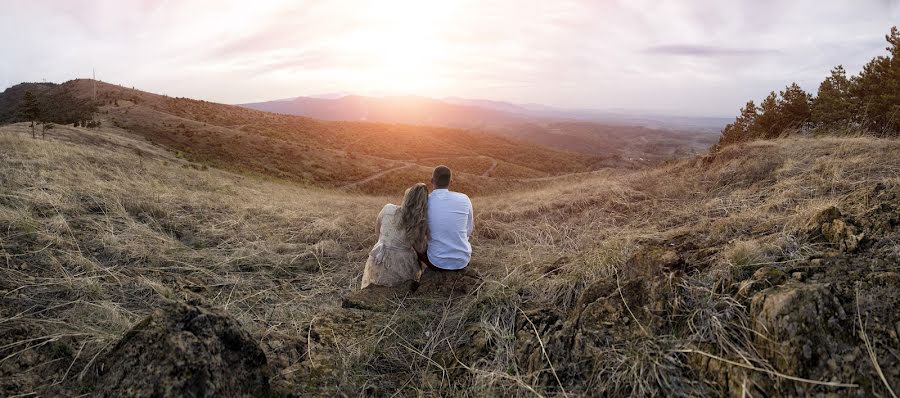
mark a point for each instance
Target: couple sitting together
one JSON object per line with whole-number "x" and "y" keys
{"x": 427, "y": 231}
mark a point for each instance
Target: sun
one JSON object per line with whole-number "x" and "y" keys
{"x": 401, "y": 45}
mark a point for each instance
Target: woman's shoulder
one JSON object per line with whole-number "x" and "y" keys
{"x": 390, "y": 208}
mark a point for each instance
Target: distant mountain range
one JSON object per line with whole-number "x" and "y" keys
{"x": 629, "y": 136}
{"x": 397, "y": 109}
{"x": 468, "y": 113}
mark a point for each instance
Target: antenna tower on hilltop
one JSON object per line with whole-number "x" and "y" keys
{"x": 94, "y": 73}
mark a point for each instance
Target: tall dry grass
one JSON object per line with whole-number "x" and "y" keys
{"x": 94, "y": 237}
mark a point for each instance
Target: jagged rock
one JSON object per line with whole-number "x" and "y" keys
{"x": 800, "y": 327}
{"x": 547, "y": 323}
{"x": 842, "y": 235}
{"x": 839, "y": 230}
{"x": 762, "y": 278}
{"x": 770, "y": 275}
{"x": 603, "y": 313}
{"x": 184, "y": 350}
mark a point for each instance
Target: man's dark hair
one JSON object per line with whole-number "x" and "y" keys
{"x": 441, "y": 177}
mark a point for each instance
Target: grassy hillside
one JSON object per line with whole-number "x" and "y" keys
{"x": 762, "y": 270}
{"x": 317, "y": 153}
{"x": 64, "y": 104}
{"x": 621, "y": 138}
{"x": 632, "y": 144}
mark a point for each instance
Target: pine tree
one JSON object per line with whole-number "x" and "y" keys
{"x": 878, "y": 89}
{"x": 28, "y": 110}
{"x": 834, "y": 106}
{"x": 769, "y": 119}
{"x": 870, "y": 100}
{"x": 794, "y": 108}
{"x": 741, "y": 129}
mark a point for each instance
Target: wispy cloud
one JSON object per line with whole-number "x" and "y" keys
{"x": 693, "y": 50}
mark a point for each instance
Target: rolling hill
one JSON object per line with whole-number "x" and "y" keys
{"x": 594, "y": 132}
{"x": 758, "y": 270}
{"x": 357, "y": 155}
{"x": 184, "y": 240}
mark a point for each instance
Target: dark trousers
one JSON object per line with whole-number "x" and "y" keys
{"x": 423, "y": 257}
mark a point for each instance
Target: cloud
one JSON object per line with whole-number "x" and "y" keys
{"x": 701, "y": 57}
{"x": 693, "y": 50}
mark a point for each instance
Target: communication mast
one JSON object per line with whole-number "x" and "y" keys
{"x": 94, "y": 73}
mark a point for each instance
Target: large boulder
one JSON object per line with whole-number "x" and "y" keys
{"x": 184, "y": 350}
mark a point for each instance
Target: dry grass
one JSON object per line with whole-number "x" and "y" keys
{"x": 314, "y": 152}
{"x": 93, "y": 238}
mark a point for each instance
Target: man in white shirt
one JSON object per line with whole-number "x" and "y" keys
{"x": 451, "y": 221}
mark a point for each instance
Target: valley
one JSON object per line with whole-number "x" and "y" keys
{"x": 633, "y": 139}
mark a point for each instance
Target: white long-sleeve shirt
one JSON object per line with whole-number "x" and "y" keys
{"x": 451, "y": 221}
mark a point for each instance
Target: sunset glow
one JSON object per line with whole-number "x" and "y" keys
{"x": 696, "y": 57}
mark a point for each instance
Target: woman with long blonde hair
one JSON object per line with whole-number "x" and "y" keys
{"x": 402, "y": 236}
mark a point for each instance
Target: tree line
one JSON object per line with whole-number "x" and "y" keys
{"x": 53, "y": 105}
{"x": 866, "y": 103}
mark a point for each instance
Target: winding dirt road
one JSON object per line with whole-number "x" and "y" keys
{"x": 408, "y": 163}
{"x": 374, "y": 176}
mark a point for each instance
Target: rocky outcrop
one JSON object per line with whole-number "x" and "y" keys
{"x": 184, "y": 350}
{"x": 838, "y": 229}
{"x": 799, "y": 326}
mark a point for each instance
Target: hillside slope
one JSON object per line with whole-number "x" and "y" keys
{"x": 761, "y": 270}
{"x": 605, "y": 134}
{"x": 318, "y": 153}
{"x": 397, "y": 109}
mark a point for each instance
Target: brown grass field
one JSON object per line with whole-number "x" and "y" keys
{"x": 320, "y": 153}
{"x": 770, "y": 268}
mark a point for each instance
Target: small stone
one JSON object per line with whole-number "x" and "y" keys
{"x": 770, "y": 275}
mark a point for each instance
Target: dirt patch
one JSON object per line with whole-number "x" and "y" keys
{"x": 377, "y": 298}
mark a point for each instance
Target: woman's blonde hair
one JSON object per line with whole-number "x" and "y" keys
{"x": 414, "y": 216}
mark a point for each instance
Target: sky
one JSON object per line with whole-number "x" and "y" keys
{"x": 689, "y": 57}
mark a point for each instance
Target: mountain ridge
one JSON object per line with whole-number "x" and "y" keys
{"x": 499, "y": 112}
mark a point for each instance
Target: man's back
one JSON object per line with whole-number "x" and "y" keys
{"x": 450, "y": 223}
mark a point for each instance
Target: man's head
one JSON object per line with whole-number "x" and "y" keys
{"x": 440, "y": 178}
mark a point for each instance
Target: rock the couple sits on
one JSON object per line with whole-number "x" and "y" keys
{"x": 427, "y": 231}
